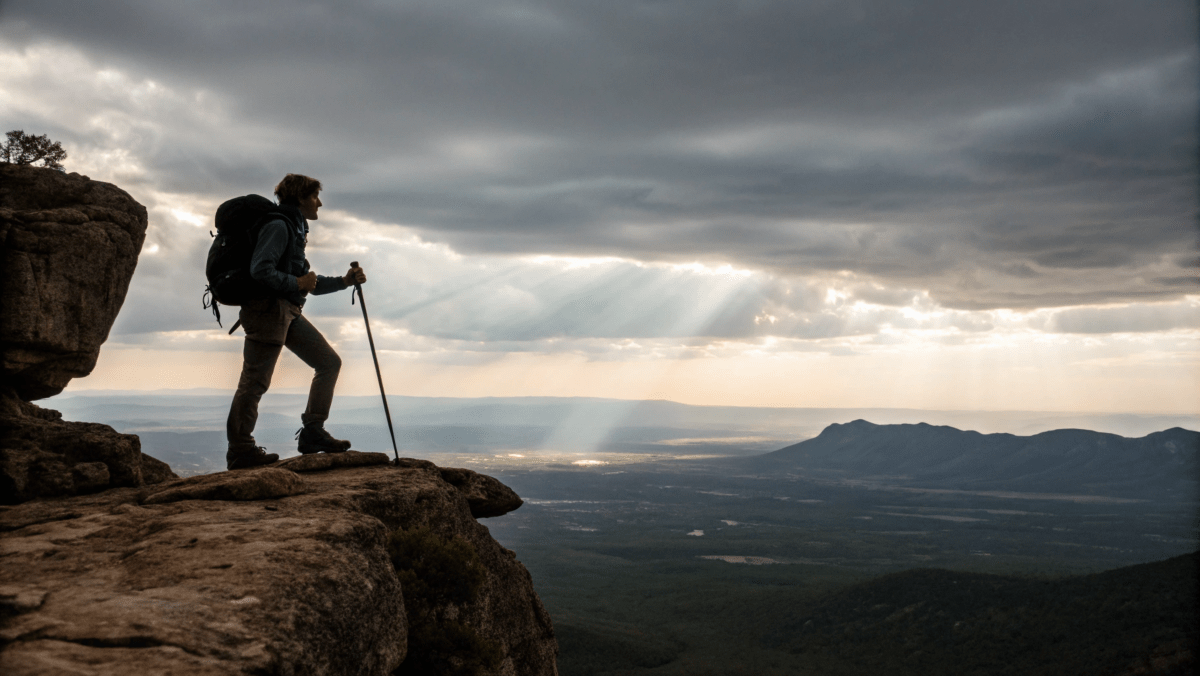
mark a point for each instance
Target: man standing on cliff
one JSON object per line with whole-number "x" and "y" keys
{"x": 273, "y": 323}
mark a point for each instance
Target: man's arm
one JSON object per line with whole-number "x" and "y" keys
{"x": 331, "y": 284}
{"x": 264, "y": 265}
{"x": 328, "y": 285}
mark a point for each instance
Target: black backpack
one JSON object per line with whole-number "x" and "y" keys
{"x": 228, "y": 267}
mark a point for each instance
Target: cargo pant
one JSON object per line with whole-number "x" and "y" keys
{"x": 271, "y": 325}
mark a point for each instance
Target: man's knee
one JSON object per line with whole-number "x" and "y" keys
{"x": 331, "y": 364}
{"x": 252, "y": 385}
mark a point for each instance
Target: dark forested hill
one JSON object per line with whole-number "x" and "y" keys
{"x": 1139, "y": 619}
{"x": 1067, "y": 461}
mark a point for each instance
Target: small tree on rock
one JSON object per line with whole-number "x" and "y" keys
{"x": 21, "y": 148}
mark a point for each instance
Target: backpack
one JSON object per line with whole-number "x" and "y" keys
{"x": 228, "y": 267}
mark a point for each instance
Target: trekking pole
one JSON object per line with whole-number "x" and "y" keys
{"x": 363, "y": 304}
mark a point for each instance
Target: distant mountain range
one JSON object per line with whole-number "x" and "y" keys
{"x": 579, "y": 416}
{"x": 1061, "y": 461}
{"x": 187, "y": 431}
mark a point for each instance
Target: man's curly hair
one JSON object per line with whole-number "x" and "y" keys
{"x": 295, "y": 187}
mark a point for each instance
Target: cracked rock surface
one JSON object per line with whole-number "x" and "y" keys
{"x": 290, "y": 579}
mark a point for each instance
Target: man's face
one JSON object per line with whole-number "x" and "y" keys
{"x": 309, "y": 206}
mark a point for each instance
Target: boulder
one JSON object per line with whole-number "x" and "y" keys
{"x": 70, "y": 246}
{"x": 298, "y": 584}
{"x": 42, "y": 455}
{"x": 260, "y": 484}
{"x": 318, "y": 462}
{"x": 155, "y": 471}
{"x": 486, "y": 496}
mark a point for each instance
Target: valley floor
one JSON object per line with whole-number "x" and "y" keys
{"x": 689, "y": 567}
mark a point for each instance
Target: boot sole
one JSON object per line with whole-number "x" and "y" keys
{"x": 237, "y": 466}
{"x": 309, "y": 450}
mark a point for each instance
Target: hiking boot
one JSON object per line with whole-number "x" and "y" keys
{"x": 247, "y": 456}
{"x": 314, "y": 439}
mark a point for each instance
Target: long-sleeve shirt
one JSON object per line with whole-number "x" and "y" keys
{"x": 273, "y": 265}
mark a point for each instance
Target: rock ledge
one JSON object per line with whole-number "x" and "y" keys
{"x": 262, "y": 571}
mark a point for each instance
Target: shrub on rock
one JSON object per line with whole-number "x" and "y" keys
{"x": 438, "y": 575}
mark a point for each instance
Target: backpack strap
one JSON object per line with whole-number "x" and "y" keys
{"x": 209, "y": 301}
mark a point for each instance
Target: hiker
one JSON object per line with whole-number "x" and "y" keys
{"x": 272, "y": 323}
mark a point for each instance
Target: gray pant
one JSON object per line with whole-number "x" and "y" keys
{"x": 270, "y": 326}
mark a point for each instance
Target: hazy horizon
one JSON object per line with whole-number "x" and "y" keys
{"x": 78, "y": 388}
{"x": 590, "y": 418}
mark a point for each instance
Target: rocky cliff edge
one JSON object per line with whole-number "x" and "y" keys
{"x": 289, "y": 569}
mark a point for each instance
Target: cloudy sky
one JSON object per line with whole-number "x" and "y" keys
{"x": 957, "y": 205}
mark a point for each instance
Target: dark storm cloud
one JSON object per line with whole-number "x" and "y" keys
{"x": 1133, "y": 319}
{"x": 1016, "y": 154}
